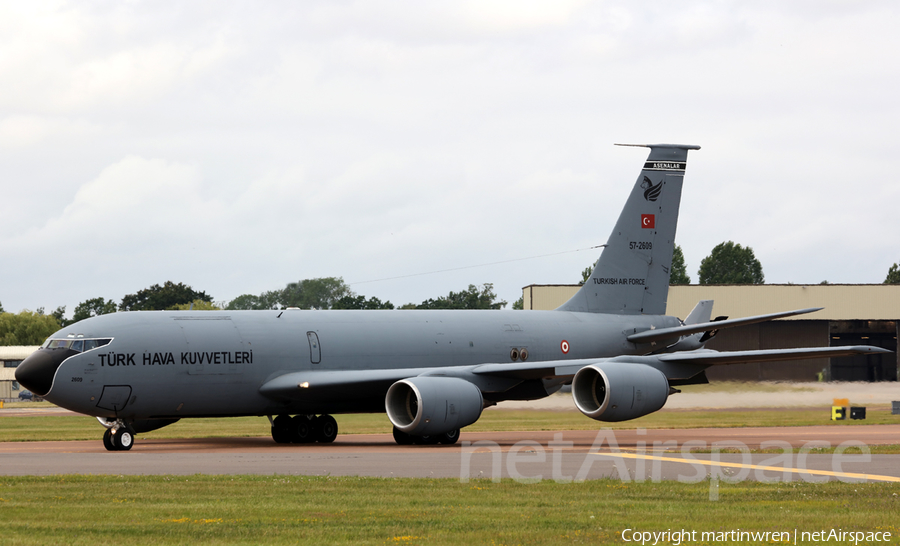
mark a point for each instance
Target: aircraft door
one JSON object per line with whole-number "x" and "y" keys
{"x": 214, "y": 346}
{"x": 315, "y": 353}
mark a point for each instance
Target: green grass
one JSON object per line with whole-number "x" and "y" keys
{"x": 64, "y": 427}
{"x": 326, "y": 510}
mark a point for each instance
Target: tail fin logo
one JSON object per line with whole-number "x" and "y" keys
{"x": 651, "y": 192}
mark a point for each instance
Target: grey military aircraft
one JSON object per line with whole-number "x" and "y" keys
{"x": 432, "y": 372}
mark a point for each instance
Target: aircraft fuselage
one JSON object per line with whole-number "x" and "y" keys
{"x": 172, "y": 364}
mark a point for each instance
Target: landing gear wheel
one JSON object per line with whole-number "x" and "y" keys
{"x": 449, "y": 438}
{"x": 281, "y": 429}
{"x": 303, "y": 430}
{"x": 123, "y": 440}
{"x": 402, "y": 438}
{"x": 107, "y": 440}
{"x": 326, "y": 429}
{"x": 425, "y": 440}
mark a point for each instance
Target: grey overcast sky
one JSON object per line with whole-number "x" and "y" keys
{"x": 239, "y": 146}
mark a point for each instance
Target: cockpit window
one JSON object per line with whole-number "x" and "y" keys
{"x": 77, "y": 345}
{"x": 94, "y": 343}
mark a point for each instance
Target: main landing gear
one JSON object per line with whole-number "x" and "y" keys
{"x": 447, "y": 438}
{"x": 304, "y": 429}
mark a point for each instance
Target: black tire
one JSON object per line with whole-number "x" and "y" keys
{"x": 303, "y": 430}
{"x": 426, "y": 440}
{"x": 281, "y": 429}
{"x": 326, "y": 429}
{"x": 402, "y": 438}
{"x": 107, "y": 440}
{"x": 449, "y": 438}
{"x": 123, "y": 439}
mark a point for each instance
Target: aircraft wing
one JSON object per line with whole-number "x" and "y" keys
{"x": 315, "y": 385}
{"x": 497, "y": 377}
{"x": 702, "y": 358}
{"x": 708, "y": 357}
{"x": 535, "y": 370}
{"x": 660, "y": 334}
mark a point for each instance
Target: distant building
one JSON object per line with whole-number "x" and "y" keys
{"x": 10, "y": 358}
{"x": 853, "y": 314}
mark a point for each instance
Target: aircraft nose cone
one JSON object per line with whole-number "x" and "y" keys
{"x": 36, "y": 372}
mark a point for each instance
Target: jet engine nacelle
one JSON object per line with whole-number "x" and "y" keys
{"x": 619, "y": 391}
{"x": 428, "y": 405}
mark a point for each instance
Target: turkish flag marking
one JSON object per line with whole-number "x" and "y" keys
{"x": 648, "y": 221}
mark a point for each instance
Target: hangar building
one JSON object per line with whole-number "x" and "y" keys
{"x": 853, "y": 314}
{"x": 10, "y": 357}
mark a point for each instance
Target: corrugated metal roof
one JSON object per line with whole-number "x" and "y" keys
{"x": 841, "y": 301}
{"x": 17, "y": 352}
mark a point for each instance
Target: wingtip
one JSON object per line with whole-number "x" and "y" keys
{"x": 878, "y": 350}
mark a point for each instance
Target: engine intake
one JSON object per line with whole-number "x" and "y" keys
{"x": 619, "y": 391}
{"x": 429, "y": 405}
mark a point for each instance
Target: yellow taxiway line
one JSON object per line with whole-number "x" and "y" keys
{"x": 874, "y": 477}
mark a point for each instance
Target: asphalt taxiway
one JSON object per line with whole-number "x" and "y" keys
{"x": 793, "y": 453}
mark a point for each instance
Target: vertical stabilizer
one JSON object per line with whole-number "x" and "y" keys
{"x": 632, "y": 275}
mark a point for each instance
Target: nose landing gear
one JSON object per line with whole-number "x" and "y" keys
{"x": 119, "y": 436}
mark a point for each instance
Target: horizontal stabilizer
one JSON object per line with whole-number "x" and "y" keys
{"x": 660, "y": 334}
{"x": 707, "y": 357}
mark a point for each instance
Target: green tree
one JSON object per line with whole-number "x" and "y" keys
{"x": 26, "y": 328}
{"x": 360, "y": 302}
{"x": 163, "y": 297}
{"x": 266, "y": 300}
{"x": 271, "y": 299}
{"x": 60, "y": 316}
{"x": 319, "y": 293}
{"x": 893, "y": 276}
{"x": 471, "y": 298}
{"x": 1, "y": 308}
{"x": 678, "y": 273}
{"x": 196, "y": 305}
{"x": 519, "y": 303}
{"x": 730, "y": 263}
{"x": 245, "y": 302}
{"x": 92, "y": 308}
{"x": 586, "y": 274}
